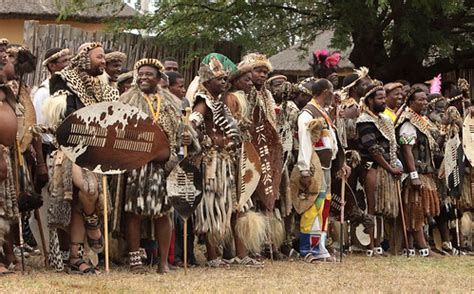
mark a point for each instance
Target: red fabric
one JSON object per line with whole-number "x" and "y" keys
{"x": 171, "y": 253}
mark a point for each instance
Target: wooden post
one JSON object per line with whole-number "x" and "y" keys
{"x": 106, "y": 220}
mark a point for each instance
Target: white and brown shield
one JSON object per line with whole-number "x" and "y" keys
{"x": 249, "y": 173}
{"x": 267, "y": 143}
{"x": 184, "y": 187}
{"x": 111, "y": 137}
{"x": 468, "y": 138}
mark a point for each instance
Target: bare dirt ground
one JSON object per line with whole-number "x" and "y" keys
{"x": 355, "y": 274}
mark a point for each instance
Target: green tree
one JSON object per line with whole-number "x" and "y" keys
{"x": 410, "y": 39}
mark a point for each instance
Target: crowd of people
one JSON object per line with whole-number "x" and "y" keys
{"x": 289, "y": 170}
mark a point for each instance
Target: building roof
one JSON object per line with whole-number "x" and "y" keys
{"x": 295, "y": 61}
{"x": 50, "y": 9}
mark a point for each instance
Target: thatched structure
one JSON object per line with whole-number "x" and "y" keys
{"x": 293, "y": 62}
{"x": 50, "y": 9}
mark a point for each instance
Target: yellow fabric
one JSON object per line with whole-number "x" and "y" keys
{"x": 392, "y": 115}
{"x": 307, "y": 219}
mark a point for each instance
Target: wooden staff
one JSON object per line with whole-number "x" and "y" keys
{"x": 404, "y": 227}
{"x": 43, "y": 239}
{"x": 343, "y": 196}
{"x": 19, "y": 173}
{"x": 185, "y": 229}
{"x": 106, "y": 222}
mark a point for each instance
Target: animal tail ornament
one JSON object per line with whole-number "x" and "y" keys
{"x": 54, "y": 108}
{"x": 251, "y": 230}
{"x": 315, "y": 128}
{"x": 275, "y": 230}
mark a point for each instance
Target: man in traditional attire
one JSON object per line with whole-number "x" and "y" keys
{"x": 420, "y": 197}
{"x": 73, "y": 88}
{"x": 316, "y": 134}
{"x": 114, "y": 62}
{"x": 394, "y": 99}
{"x": 220, "y": 140}
{"x": 260, "y": 111}
{"x": 150, "y": 180}
{"x": 55, "y": 60}
{"x": 378, "y": 149}
{"x": 8, "y": 197}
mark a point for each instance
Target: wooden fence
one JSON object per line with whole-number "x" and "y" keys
{"x": 39, "y": 38}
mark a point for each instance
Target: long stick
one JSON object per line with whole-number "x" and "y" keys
{"x": 19, "y": 173}
{"x": 106, "y": 222}
{"x": 343, "y": 202}
{"x": 404, "y": 227}
{"x": 185, "y": 229}
{"x": 185, "y": 236}
{"x": 43, "y": 239}
{"x": 457, "y": 228}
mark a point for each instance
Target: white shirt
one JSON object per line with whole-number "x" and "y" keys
{"x": 306, "y": 145}
{"x": 39, "y": 97}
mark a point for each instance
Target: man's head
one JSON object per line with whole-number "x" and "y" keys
{"x": 20, "y": 61}
{"x": 124, "y": 81}
{"x": 114, "y": 62}
{"x": 417, "y": 100}
{"x": 323, "y": 91}
{"x": 375, "y": 98}
{"x": 394, "y": 95}
{"x": 176, "y": 84}
{"x": 261, "y": 67}
{"x": 274, "y": 85}
{"x": 259, "y": 76}
{"x": 303, "y": 92}
{"x": 97, "y": 59}
{"x": 170, "y": 64}
{"x": 243, "y": 82}
{"x": 56, "y": 59}
{"x": 356, "y": 84}
{"x": 213, "y": 76}
{"x": 148, "y": 74}
{"x": 275, "y": 81}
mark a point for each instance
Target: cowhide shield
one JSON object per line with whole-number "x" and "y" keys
{"x": 302, "y": 200}
{"x": 454, "y": 166}
{"x": 111, "y": 137}
{"x": 468, "y": 138}
{"x": 267, "y": 142}
{"x": 184, "y": 187}
{"x": 336, "y": 201}
{"x": 249, "y": 173}
{"x": 26, "y": 117}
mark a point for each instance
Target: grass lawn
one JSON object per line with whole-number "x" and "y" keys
{"x": 355, "y": 274}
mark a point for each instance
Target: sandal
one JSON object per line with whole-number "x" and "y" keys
{"x": 248, "y": 262}
{"x": 136, "y": 264}
{"x": 448, "y": 248}
{"x": 92, "y": 223}
{"x": 310, "y": 258}
{"x": 75, "y": 267}
{"x": 218, "y": 263}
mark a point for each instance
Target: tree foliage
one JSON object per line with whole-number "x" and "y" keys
{"x": 411, "y": 39}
